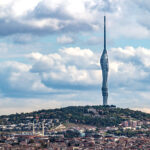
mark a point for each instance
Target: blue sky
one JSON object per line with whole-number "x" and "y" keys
{"x": 50, "y": 51}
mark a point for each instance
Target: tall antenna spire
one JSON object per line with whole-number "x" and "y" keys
{"x": 104, "y": 32}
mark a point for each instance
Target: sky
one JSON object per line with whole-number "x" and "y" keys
{"x": 50, "y": 52}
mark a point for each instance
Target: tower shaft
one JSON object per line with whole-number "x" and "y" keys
{"x": 105, "y": 69}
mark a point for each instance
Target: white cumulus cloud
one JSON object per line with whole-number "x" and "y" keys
{"x": 75, "y": 71}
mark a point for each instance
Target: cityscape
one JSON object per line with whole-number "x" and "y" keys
{"x": 86, "y": 127}
{"x": 74, "y": 75}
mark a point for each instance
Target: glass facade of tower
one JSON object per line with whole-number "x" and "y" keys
{"x": 105, "y": 69}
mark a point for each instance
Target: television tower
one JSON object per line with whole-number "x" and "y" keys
{"x": 105, "y": 69}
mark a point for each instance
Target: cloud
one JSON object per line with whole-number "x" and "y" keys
{"x": 65, "y": 40}
{"x": 129, "y": 69}
{"x": 41, "y": 18}
{"x": 17, "y": 81}
{"x": 69, "y": 63}
{"x": 45, "y": 17}
{"x": 130, "y": 66}
{"x": 50, "y": 9}
{"x": 45, "y": 74}
{"x": 76, "y": 72}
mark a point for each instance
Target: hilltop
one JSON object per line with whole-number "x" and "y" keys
{"x": 99, "y": 116}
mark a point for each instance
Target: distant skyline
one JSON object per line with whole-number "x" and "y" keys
{"x": 50, "y": 50}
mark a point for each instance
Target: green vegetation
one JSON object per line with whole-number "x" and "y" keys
{"x": 100, "y": 116}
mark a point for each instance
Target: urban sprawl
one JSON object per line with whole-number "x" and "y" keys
{"x": 52, "y": 134}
